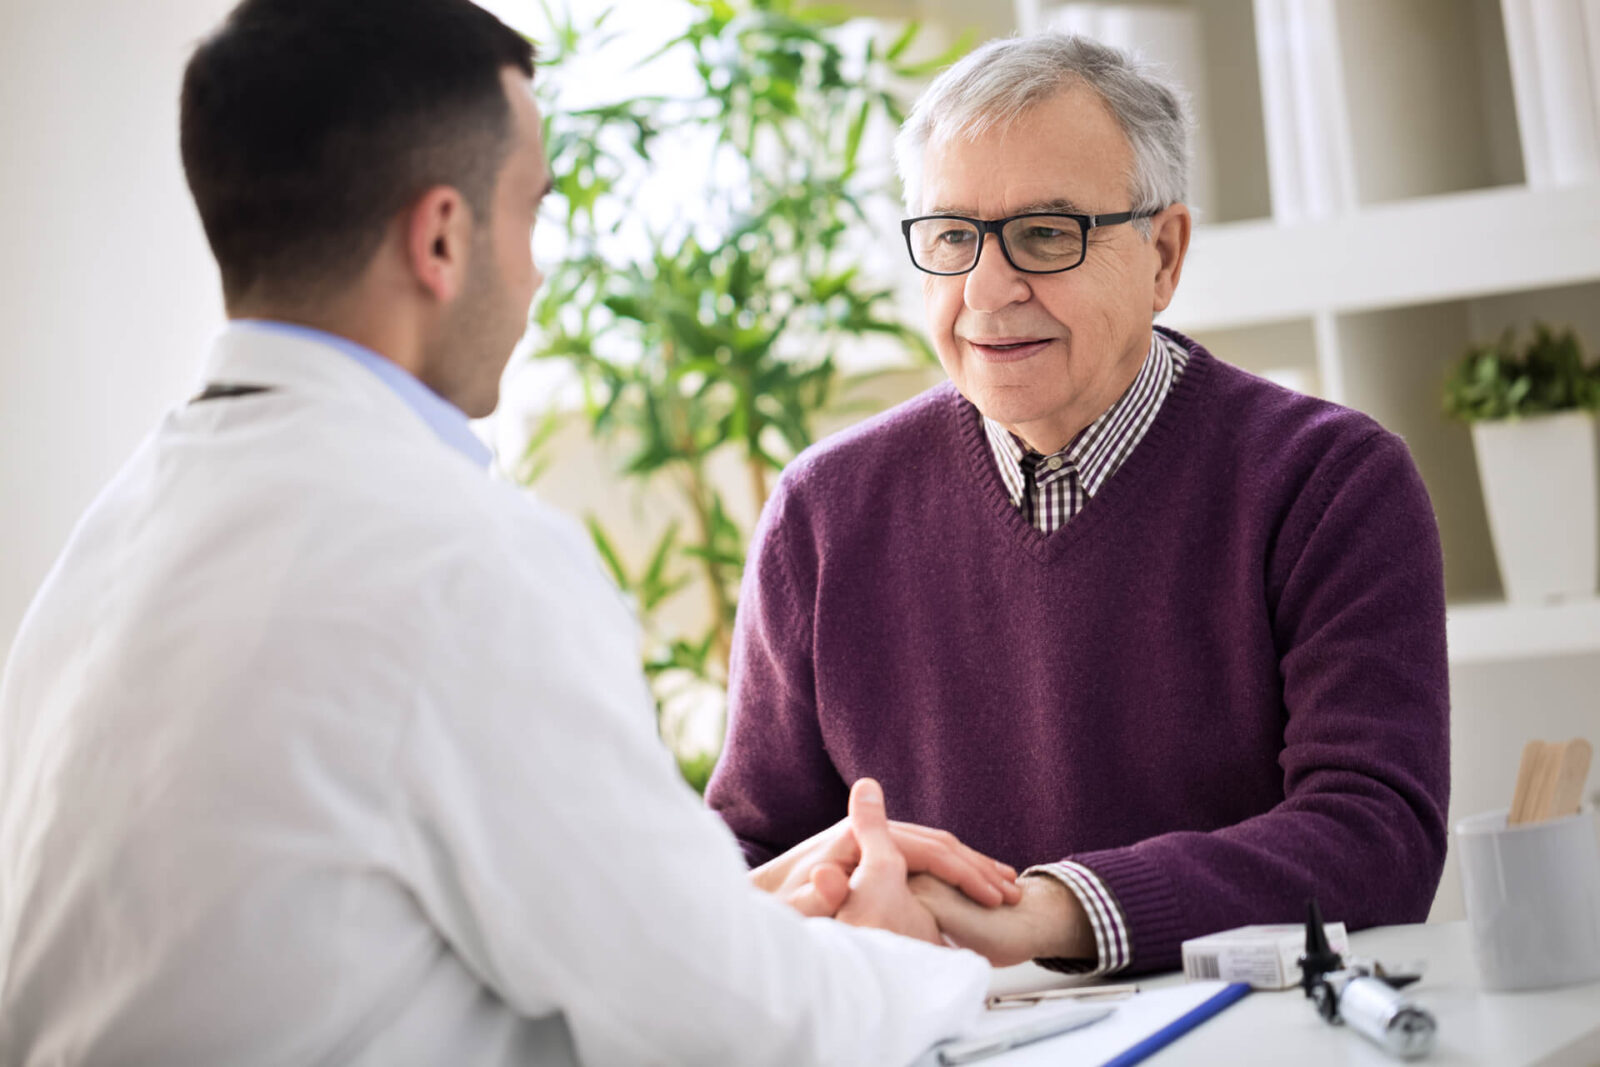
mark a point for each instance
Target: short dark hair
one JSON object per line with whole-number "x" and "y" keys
{"x": 306, "y": 124}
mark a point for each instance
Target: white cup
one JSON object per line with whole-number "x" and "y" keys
{"x": 1533, "y": 899}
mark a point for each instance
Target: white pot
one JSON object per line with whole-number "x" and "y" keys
{"x": 1540, "y": 483}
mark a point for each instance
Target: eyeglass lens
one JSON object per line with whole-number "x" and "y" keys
{"x": 1035, "y": 242}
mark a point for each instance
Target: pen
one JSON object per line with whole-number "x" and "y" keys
{"x": 1165, "y": 1036}
{"x": 978, "y": 1048}
{"x": 1084, "y": 992}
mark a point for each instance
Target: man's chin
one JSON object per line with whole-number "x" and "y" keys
{"x": 1005, "y": 402}
{"x": 481, "y": 407}
{"x": 481, "y": 401}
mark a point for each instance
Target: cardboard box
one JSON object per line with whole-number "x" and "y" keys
{"x": 1265, "y": 956}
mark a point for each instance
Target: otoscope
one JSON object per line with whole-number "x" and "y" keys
{"x": 1362, "y": 996}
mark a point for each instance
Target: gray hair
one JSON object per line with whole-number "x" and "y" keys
{"x": 995, "y": 84}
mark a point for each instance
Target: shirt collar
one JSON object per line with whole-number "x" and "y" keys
{"x": 1095, "y": 452}
{"x": 448, "y": 422}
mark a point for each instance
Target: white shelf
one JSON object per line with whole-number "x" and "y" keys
{"x": 1494, "y": 632}
{"x": 1390, "y": 255}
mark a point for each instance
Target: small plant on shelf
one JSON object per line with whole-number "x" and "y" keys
{"x": 1532, "y": 411}
{"x": 1502, "y": 380}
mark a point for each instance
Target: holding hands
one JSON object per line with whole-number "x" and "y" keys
{"x": 790, "y": 876}
{"x": 924, "y": 883}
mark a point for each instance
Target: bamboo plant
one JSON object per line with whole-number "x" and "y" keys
{"x": 716, "y": 333}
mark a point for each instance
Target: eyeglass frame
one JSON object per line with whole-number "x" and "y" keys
{"x": 986, "y": 227}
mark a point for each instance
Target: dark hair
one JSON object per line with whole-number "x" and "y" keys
{"x": 307, "y": 124}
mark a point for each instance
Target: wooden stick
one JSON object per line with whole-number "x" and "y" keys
{"x": 1544, "y": 782}
{"x": 1522, "y": 798}
{"x": 1564, "y": 791}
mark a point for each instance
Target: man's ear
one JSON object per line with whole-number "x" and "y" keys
{"x": 438, "y": 230}
{"x": 1170, "y": 236}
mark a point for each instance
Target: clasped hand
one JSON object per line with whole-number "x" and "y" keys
{"x": 922, "y": 883}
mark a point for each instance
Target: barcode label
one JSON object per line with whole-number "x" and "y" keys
{"x": 1203, "y": 965}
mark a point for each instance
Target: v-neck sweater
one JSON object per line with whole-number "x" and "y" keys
{"x": 1051, "y": 489}
{"x": 1222, "y": 687}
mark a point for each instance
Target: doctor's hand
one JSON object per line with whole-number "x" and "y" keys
{"x": 832, "y": 855}
{"x": 1047, "y": 923}
{"x": 880, "y": 895}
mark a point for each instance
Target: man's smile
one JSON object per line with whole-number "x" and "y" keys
{"x": 1008, "y": 349}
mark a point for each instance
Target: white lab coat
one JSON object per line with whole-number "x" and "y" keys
{"x": 320, "y": 746}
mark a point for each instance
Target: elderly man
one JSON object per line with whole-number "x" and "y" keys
{"x": 1102, "y": 604}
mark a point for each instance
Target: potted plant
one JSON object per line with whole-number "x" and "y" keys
{"x": 706, "y": 344}
{"x": 1532, "y": 409}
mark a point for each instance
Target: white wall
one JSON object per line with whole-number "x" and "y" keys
{"x": 107, "y": 292}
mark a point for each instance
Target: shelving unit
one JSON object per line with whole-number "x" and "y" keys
{"x": 1372, "y": 217}
{"x": 1495, "y": 632}
{"x": 1428, "y": 96}
{"x": 1391, "y": 255}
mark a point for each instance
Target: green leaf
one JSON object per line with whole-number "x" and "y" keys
{"x": 536, "y": 457}
{"x": 655, "y": 585}
{"x": 902, "y": 42}
{"x": 697, "y": 768}
{"x": 602, "y": 544}
{"x": 852, "y": 144}
{"x": 1499, "y": 380}
{"x": 1518, "y": 392}
{"x": 961, "y": 47}
{"x": 827, "y": 14}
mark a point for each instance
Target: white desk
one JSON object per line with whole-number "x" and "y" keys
{"x": 1550, "y": 1028}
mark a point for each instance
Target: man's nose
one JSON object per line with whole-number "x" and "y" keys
{"x": 994, "y": 282}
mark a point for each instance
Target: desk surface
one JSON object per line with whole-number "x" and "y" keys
{"x": 1549, "y": 1028}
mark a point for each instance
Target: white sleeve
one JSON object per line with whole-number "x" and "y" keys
{"x": 549, "y": 838}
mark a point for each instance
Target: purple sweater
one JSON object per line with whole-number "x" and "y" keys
{"x": 1222, "y": 687}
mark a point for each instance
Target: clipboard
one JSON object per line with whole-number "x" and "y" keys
{"x": 1133, "y": 1022}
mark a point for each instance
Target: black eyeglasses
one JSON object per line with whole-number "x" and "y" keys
{"x": 1034, "y": 243}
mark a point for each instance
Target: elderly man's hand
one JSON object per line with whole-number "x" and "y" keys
{"x": 1048, "y": 921}
{"x": 813, "y": 875}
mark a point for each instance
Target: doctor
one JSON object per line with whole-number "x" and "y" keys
{"x": 318, "y": 745}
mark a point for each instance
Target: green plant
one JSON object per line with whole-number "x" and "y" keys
{"x": 714, "y": 334}
{"x": 1502, "y": 380}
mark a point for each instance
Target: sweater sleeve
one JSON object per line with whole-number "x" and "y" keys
{"x": 775, "y": 785}
{"x": 1356, "y": 594}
